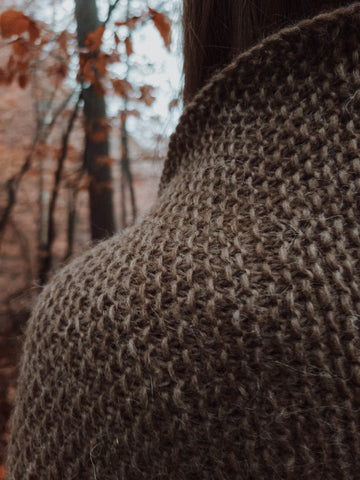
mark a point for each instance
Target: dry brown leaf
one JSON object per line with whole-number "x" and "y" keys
{"x": 23, "y": 80}
{"x": 13, "y": 22}
{"x": 2, "y": 472}
{"x": 163, "y": 23}
{"x": 34, "y": 32}
{"x": 88, "y": 72}
{"x": 130, "y": 23}
{"x": 94, "y": 39}
{"x": 146, "y": 96}
{"x": 63, "y": 41}
{"x": 20, "y": 47}
{"x": 174, "y": 103}
{"x": 121, "y": 87}
{"x": 128, "y": 45}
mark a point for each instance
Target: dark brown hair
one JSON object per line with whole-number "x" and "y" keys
{"x": 216, "y": 30}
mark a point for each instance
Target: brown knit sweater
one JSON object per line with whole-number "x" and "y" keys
{"x": 220, "y": 337}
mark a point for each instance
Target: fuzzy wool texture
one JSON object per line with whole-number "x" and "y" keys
{"x": 219, "y": 338}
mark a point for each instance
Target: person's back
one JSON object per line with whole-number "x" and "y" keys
{"x": 219, "y": 338}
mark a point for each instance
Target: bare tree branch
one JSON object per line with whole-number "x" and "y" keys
{"x": 45, "y": 254}
{"x": 25, "y": 251}
{"x": 72, "y": 211}
{"x": 110, "y": 11}
{"x": 12, "y": 184}
{"x": 60, "y": 109}
{"x": 125, "y": 159}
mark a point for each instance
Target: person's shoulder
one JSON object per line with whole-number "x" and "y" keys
{"x": 70, "y": 357}
{"x": 81, "y": 292}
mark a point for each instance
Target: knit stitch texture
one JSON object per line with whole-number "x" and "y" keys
{"x": 219, "y": 338}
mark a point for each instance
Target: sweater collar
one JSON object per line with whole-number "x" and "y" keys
{"x": 320, "y": 45}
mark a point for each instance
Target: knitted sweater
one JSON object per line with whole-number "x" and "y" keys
{"x": 218, "y": 338}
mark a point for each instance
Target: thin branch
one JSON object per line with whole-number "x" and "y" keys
{"x": 72, "y": 212}
{"x": 60, "y": 164}
{"x": 60, "y": 109}
{"x": 72, "y": 209}
{"x": 12, "y": 184}
{"x": 45, "y": 257}
{"x": 132, "y": 195}
{"x": 25, "y": 251}
{"x": 123, "y": 198}
{"x": 110, "y": 11}
{"x": 125, "y": 160}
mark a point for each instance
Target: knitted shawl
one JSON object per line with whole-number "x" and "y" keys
{"x": 218, "y": 338}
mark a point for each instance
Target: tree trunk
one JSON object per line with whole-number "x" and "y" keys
{"x": 96, "y": 137}
{"x": 126, "y": 175}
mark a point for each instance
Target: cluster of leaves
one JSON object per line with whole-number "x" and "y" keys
{"x": 27, "y": 40}
{"x": 94, "y": 62}
{"x": 14, "y": 23}
{"x": 160, "y": 20}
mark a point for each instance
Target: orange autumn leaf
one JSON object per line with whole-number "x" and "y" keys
{"x": 88, "y": 72}
{"x": 20, "y": 47}
{"x": 3, "y": 77}
{"x": 23, "y": 80}
{"x": 122, "y": 87}
{"x": 130, "y": 23}
{"x": 99, "y": 136}
{"x": 62, "y": 70}
{"x": 34, "y": 32}
{"x": 163, "y": 23}
{"x": 99, "y": 187}
{"x": 128, "y": 45}
{"x": 63, "y": 41}
{"x": 105, "y": 160}
{"x": 22, "y": 65}
{"x": 113, "y": 57}
{"x": 146, "y": 96}
{"x": 59, "y": 71}
{"x": 133, "y": 112}
{"x": 99, "y": 130}
{"x": 2, "y": 472}
{"x": 99, "y": 88}
{"x": 13, "y": 22}
{"x": 94, "y": 39}
{"x": 174, "y": 103}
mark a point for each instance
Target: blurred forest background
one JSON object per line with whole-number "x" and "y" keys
{"x": 89, "y": 96}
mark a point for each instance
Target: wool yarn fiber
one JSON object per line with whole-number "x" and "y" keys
{"x": 218, "y": 338}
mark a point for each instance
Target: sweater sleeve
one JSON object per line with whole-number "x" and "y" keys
{"x": 114, "y": 379}
{"x": 65, "y": 424}
{"x": 47, "y": 423}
